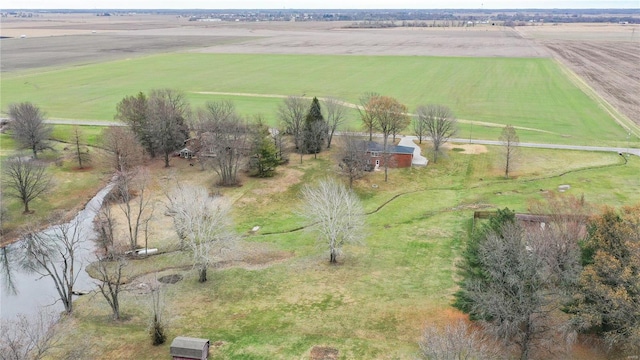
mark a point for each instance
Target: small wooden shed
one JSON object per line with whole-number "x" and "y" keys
{"x": 188, "y": 348}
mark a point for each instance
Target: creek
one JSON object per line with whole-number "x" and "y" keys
{"x": 24, "y": 292}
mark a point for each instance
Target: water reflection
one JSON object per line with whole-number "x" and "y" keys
{"x": 24, "y": 291}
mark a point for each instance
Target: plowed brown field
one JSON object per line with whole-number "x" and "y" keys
{"x": 612, "y": 69}
{"x": 605, "y": 56}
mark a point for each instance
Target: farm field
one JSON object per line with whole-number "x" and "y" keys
{"x": 524, "y": 92}
{"x": 604, "y": 56}
{"x": 276, "y": 296}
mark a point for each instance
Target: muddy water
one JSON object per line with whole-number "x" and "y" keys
{"x": 24, "y": 293}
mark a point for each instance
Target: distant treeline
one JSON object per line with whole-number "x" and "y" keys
{"x": 515, "y": 16}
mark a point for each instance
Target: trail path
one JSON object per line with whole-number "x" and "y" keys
{"x": 358, "y": 107}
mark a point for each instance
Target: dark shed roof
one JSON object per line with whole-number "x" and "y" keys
{"x": 188, "y": 347}
{"x": 374, "y": 146}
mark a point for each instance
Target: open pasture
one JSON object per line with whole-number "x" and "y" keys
{"x": 526, "y": 92}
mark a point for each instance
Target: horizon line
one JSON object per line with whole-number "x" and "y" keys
{"x": 280, "y": 9}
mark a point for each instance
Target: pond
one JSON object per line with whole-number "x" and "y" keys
{"x": 24, "y": 292}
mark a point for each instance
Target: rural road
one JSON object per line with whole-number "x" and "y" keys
{"x": 554, "y": 146}
{"x": 83, "y": 122}
{"x": 467, "y": 141}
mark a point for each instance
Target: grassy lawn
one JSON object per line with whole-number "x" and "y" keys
{"x": 372, "y": 305}
{"x": 531, "y": 93}
{"x": 89, "y": 135}
{"x": 70, "y": 188}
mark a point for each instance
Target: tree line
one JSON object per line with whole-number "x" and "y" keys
{"x": 534, "y": 287}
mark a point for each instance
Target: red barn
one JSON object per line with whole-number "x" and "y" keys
{"x": 398, "y": 156}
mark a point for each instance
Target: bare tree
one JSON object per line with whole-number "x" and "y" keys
{"x": 388, "y": 115}
{"x": 336, "y": 215}
{"x": 336, "y": 116}
{"x": 29, "y": 129}
{"x": 110, "y": 271}
{"x": 557, "y": 239}
{"x": 204, "y": 222}
{"x": 353, "y": 158}
{"x": 419, "y": 128}
{"x": 292, "y": 113}
{"x": 105, "y": 226}
{"x": 111, "y": 261}
{"x": 440, "y": 124}
{"x": 82, "y": 154}
{"x": 123, "y": 149}
{"x": 226, "y": 137}
{"x": 457, "y": 341}
{"x": 131, "y": 193}
{"x": 510, "y": 141}
{"x": 365, "y": 114}
{"x": 54, "y": 254}
{"x": 518, "y": 298}
{"x": 28, "y": 338}
{"x": 280, "y": 144}
{"x": 25, "y": 179}
{"x": 168, "y": 113}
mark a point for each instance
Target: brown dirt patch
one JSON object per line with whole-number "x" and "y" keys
{"x": 64, "y": 39}
{"x": 170, "y": 279}
{"x": 252, "y": 256}
{"x": 285, "y": 178}
{"x": 468, "y": 148}
{"x": 324, "y": 353}
{"x": 485, "y": 41}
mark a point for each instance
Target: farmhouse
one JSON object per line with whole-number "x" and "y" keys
{"x": 397, "y": 156}
{"x": 186, "y": 153}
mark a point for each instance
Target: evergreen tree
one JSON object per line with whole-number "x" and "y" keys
{"x": 315, "y": 128}
{"x": 265, "y": 154}
{"x": 470, "y": 267}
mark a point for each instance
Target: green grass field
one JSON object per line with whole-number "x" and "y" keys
{"x": 532, "y": 93}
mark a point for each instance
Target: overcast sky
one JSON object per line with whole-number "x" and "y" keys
{"x": 317, "y": 4}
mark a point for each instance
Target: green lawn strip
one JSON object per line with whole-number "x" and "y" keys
{"x": 523, "y": 92}
{"x": 7, "y": 145}
{"x": 89, "y": 135}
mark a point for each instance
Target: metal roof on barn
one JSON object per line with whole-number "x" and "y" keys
{"x": 375, "y": 146}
